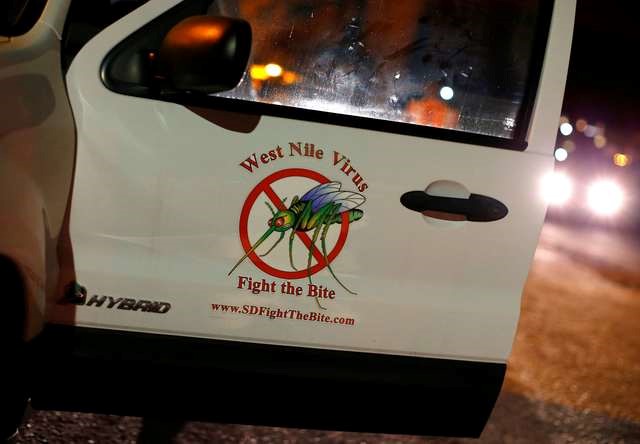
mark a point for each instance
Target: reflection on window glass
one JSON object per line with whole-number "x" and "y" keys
{"x": 459, "y": 64}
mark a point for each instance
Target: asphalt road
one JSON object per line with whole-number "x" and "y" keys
{"x": 573, "y": 377}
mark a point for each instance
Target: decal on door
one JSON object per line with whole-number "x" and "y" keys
{"x": 77, "y": 295}
{"x": 305, "y": 219}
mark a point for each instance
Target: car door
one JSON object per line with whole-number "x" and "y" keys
{"x": 369, "y": 188}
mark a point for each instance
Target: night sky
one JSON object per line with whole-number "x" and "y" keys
{"x": 603, "y": 82}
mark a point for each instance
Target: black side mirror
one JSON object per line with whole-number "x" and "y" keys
{"x": 204, "y": 54}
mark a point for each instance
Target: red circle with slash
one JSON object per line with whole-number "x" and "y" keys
{"x": 265, "y": 187}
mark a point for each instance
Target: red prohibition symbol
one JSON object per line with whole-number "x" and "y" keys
{"x": 265, "y": 187}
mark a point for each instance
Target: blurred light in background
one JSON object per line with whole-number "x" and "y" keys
{"x": 621, "y": 160}
{"x": 556, "y": 188}
{"x": 273, "y": 70}
{"x": 264, "y": 72}
{"x": 258, "y": 72}
{"x": 561, "y": 154}
{"x": 289, "y": 77}
{"x": 564, "y": 119}
{"x": 605, "y": 198}
{"x": 599, "y": 141}
{"x": 446, "y": 92}
{"x": 581, "y": 125}
{"x": 590, "y": 131}
{"x": 566, "y": 129}
{"x": 569, "y": 145}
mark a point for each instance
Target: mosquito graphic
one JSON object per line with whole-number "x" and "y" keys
{"x": 318, "y": 209}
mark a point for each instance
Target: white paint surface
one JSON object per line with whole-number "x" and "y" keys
{"x": 156, "y": 205}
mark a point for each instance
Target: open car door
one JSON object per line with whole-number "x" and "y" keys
{"x": 335, "y": 236}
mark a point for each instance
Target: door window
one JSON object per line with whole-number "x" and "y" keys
{"x": 455, "y": 64}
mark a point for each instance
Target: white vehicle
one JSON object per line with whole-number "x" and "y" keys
{"x": 299, "y": 213}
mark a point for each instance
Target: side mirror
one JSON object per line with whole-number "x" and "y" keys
{"x": 205, "y": 54}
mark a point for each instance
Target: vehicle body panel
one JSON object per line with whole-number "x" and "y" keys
{"x": 37, "y": 147}
{"x": 175, "y": 237}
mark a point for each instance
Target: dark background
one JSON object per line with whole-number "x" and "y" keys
{"x": 603, "y": 76}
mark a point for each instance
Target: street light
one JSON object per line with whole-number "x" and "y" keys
{"x": 566, "y": 129}
{"x": 561, "y": 154}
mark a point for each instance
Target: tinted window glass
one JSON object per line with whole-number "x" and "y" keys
{"x": 17, "y": 17}
{"x": 458, "y": 64}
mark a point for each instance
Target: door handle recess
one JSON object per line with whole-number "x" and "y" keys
{"x": 476, "y": 208}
